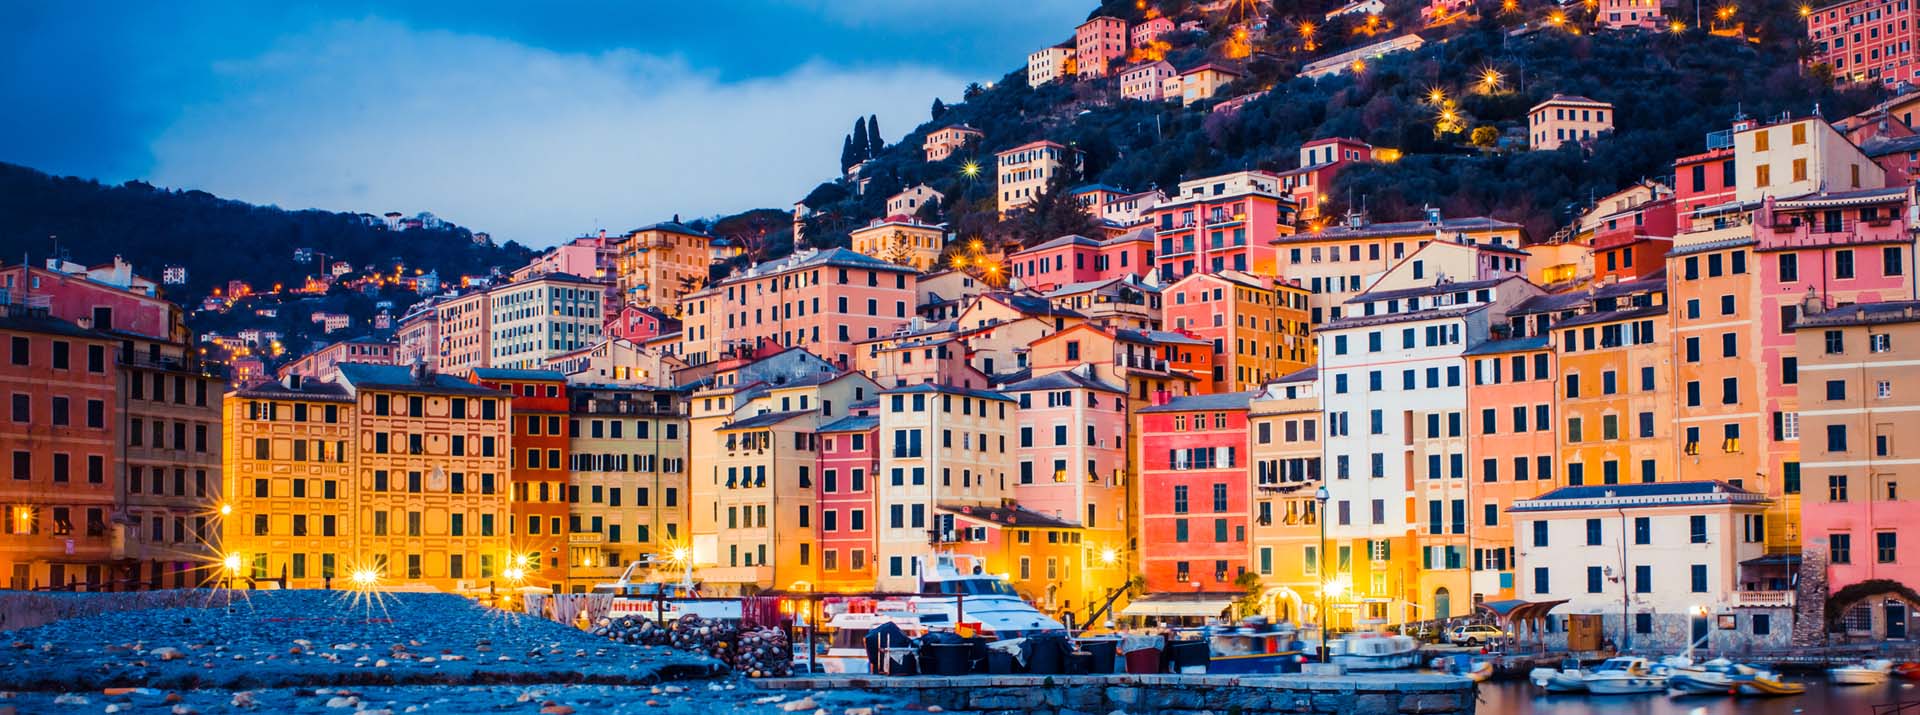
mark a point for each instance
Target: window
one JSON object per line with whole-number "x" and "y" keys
{"x": 1884, "y": 546}
{"x": 1699, "y": 573}
{"x": 1595, "y": 578}
{"x": 1840, "y": 548}
{"x": 1697, "y": 529}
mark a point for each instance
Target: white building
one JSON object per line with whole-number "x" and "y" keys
{"x": 939, "y": 447}
{"x": 1662, "y": 559}
{"x": 909, "y": 202}
{"x": 174, "y": 275}
{"x": 539, "y": 318}
{"x": 1394, "y": 382}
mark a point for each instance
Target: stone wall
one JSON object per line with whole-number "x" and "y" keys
{"x": 1366, "y": 694}
{"x": 1810, "y": 628}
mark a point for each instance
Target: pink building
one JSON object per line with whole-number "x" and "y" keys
{"x": 1320, "y": 161}
{"x": 1098, "y": 44}
{"x": 590, "y": 257}
{"x": 1867, "y": 40}
{"x": 849, "y": 457}
{"x": 97, "y": 301}
{"x": 1078, "y": 259}
{"x": 1194, "y": 494}
{"x": 1644, "y": 14}
{"x": 1226, "y": 222}
{"x": 320, "y": 363}
{"x": 1146, "y": 82}
{"x": 824, "y": 301}
{"x": 1150, "y": 31}
{"x": 640, "y": 323}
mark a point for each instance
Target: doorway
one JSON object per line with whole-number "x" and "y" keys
{"x": 1896, "y": 620}
{"x": 1442, "y": 604}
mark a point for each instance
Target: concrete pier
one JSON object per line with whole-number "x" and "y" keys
{"x": 1354, "y": 694}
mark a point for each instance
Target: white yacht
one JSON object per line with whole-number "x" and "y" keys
{"x": 1626, "y": 675}
{"x": 1376, "y": 651}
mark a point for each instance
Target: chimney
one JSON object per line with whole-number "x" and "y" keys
{"x": 420, "y": 373}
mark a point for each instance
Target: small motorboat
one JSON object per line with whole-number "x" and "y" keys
{"x": 1477, "y": 668}
{"x": 1626, "y": 675}
{"x": 1568, "y": 678}
{"x": 1907, "y": 671}
{"x": 1867, "y": 672}
{"x": 1714, "y": 677}
{"x": 1256, "y": 647}
{"x": 1376, "y": 651}
{"x": 1764, "y": 684}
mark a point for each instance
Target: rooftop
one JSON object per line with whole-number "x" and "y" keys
{"x": 767, "y": 419}
{"x": 928, "y": 388}
{"x": 854, "y": 423}
{"x": 1441, "y": 288}
{"x": 1367, "y": 321}
{"x": 1904, "y": 311}
{"x": 1640, "y": 494}
{"x": 1217, "y": 401}
{"x": 1509, "y": 345}
{"x": 1336, "y": 232}
{"x": 1014, "y": 516}
{"x": 504, "y": 373}
{"x": 1063, "y": 380}
{"x": 366, "y": 376}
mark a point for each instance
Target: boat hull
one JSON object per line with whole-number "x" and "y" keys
{"x": 1558, "y": 681}
{"x": 1698, "y": 684}
{"x": 1627, "y": 685}
{"x": 1396, "y": 661}
{"x": 1856, "y": 676}
{"x": 1259, "y": 664}
{"x": 1767, "y": 687}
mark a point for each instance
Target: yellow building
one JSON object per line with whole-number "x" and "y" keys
{"x": 941, "y": 448}
{"x": 1025, "y": 170}
{"x": 903, "y": 241}
{"x": 1567, "y": 118}
{"x": 393, "y": 475}
{"x": 658, "y": 264}
{"x": 291, "y": 496}
{"x": 1284, "y": 450}
{"x": 628, "y": 491}
{"x": 1258, "y": 328}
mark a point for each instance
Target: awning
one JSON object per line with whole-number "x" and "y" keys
{"x": 1790, "y": 560}
{"x": 1212, "y": 605}
{"x": 1512, "y": 611}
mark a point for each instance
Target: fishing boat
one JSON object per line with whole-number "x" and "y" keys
{"x": 1626, "y": 675}
{"x": 1714, "y": 677}
{"x": 1765, "y": 684}
{"x": 1478, "y": 668}
{"x": 1866, "y": 672}
{"x": 846, "y": 635}
{"x": 1568, "y": 678}
{"x": 1907, "y": 671}
{"x": 1376, "y": 651}
{"x": 663, "y": 601}
{"x": 965, "y": 596}
{"x": 1254, "y": 648}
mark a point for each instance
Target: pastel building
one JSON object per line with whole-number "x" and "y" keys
{"x": 1284, "y": 449}
{"x": 363, "y": 349}
{"x": 291, "y": 511}
{"x": 1050, "y": 63}
{"x": 1340, "y": 261}
{"x": 1127, "y": 303}
{"x": 902, "y": 240}
{"x": 539, "y": 473}
{"x": 1025, "y": 171}
{"x": 465, "y": 333}
{"x": 1565, "y": 118}
{"x": 1150, "y": 30}
{"x": 1869, "y": 41}
{"x": 1657, "y": 563}
{"x": 910, "y": 201}
{"x": 1220, "y": 223}
{"x": 627, "y": 494}
{"x": 823, "y": 301}
{"x": 656, "y": 265}
{"x": 1512, "y": 443}
{"x": 1193, "y": 497}
{"x": 62, "y": 442}
{"x": 1072, "y": 453}
{"x": 538, "y": 318}
{"x": 941, "y": 448}
{"x": 1643, "y": 14}
{"x": 1321, "y": 160}
{"x": 945, "y": 141}
{"x": 1801, "y": 156}
{"x": 1200, "y": 83}
{"x": 1099, "y": 44}
{"x": 1256, "y": 327}
{"x": 849, "y": 461}
{"x": 1146, "y": 82}
{"x": 1050, "y": 264}
{"x": 1857, "y": 473}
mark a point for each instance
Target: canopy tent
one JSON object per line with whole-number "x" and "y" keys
{"x": 1518, "y": 616}
{"x": 1201, "y": 605}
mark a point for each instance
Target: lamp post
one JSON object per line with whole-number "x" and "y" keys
{"x": 1320, "y": 514}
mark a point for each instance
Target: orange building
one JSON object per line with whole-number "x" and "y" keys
{"x": 1257, "y": 327}
{"x": 292, "y": 501}
{"x": 61, "y": 438}
{"x": 1511, "y": 428}
{"x": 656, "y": 265}
{"x": 540, "y": 472}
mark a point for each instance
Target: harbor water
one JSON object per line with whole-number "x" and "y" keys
{"x": 1516, "y": 697}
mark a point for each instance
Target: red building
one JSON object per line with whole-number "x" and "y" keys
{"x": 1632, "y": 243}
{"x": 1078, "y": 259}
{"x": 1193, "y": 493}
{"x": 849, "y": 457}
{"x": 640, "y": 323}
{"x": 1705, "y": 179}
{"x": 1867, "y": 40}
{"x": 59, "y": 439}
{"x": 541, "y": 475}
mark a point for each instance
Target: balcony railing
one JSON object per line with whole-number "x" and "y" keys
{"x": 1127, "y": 360}
{"x": 1763, "y": 598}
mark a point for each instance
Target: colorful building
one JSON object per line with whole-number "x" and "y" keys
{"x": 627, "y": 493}
{"x": 901, "y": 240}
{"x": 849, "y": 461}
{"x": 941, "y": 448}
{"x": 293, "y": 505}
{"x": 540, "y": 472}
{"x": 1193, "y": 496}
{"x": 1512, "y": 440}
{"x": 1221, "y": 223}
{"x": 538, "y": 318}
{"x": 1048, "y": 265}
{"x": 1025, "y": 171}
{"x": 943, "y": 142}
{"x": 1338, "y": 262}
{"x": 823, "y": 301}
{"x": 1073, "y": 468}
{"x": 63, "y": 439}
{"x": 1566, "y": 118}
{"x": 659, "y": 264}
{"x": 1285, "y": 451}
{"x": 466, "y": 330}
{"x": 1870, "y": 41}
{"x": 1099, "y": 44}
{"x": 1146, "y": 82}
{"x": 1050, "y": 63}
{"x": 1257, "y": 327}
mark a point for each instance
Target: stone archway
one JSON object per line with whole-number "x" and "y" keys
{"x": 1883, "y": 597}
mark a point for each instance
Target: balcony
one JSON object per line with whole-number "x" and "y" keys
{"x": 1126, "y": 360}
{"x": 1851, "y": 231}
{"x": 1763, "y": 599}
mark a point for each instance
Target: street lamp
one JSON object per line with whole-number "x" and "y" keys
{"x": 1320, "y": 514}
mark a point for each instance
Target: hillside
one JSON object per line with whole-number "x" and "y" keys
{"x": 1670, "y": 89}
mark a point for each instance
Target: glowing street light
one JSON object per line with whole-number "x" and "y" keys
{"x": 1109, "y": 556}
{"x": 1557, "y": 18}
{"x": 1509, "y": 5}
{"x": 971, "y": 169}
{"x": 1490, "y": 79}
{"x": 232, "y": 562}
{"x": 226, "y": 509}
{"x": 1677, "y": 27}
{"x": 365, "y": 578}
{"x": 1436, "y": 95}
{"x": 1806, "y": 10}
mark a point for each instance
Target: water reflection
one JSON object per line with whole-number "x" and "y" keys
{"x": 1521, "y": 698}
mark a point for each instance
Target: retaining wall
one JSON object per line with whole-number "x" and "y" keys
{"x": 1362, "y": 694}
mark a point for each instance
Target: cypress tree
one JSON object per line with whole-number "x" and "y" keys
{"x": 939, "y": 108}
{"x": 846, "y": 153}
{"x": 875, "y": 143}
{"x": 860, "y": 143}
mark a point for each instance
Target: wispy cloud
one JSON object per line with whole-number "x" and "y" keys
{"x": 529, "y": 143}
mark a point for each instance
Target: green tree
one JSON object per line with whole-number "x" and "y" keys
{"x": 1485, "y": 136}
{"x": 939, "y": 109}
{"x": 875, "y": 144}
{"x": 861, "y": 145}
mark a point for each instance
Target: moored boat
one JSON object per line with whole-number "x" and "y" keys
{"x": 1867, "y": 672}
{"x": 1714, "y": 677}
{"x": 1478, "y": 668}
{"x": 1568, "y": 678}
{"x": 1764, "y": 684}
{"x": 1907, "y": 671}
{"x": 1376, "y": 651}
{"x": 1625, "y": 675}
{"x": 1254, "y": 648}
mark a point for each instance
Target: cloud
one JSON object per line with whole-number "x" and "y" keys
{"x": 531, "y": 144}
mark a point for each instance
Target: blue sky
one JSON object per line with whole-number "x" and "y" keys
{"x": 534, "y": 120}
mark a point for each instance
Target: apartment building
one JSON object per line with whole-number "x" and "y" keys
{"x": 940, "y": 448}
{"x": 823, "y": 301}
{"x": 628, "y": 494}
{"x": 538, "y": 318}
{"x": 657, "y": 265}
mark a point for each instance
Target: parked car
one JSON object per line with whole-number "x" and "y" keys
{"x": 1475, "y": 634}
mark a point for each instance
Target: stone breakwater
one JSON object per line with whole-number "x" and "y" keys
{"x": 1360, "y": 694}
